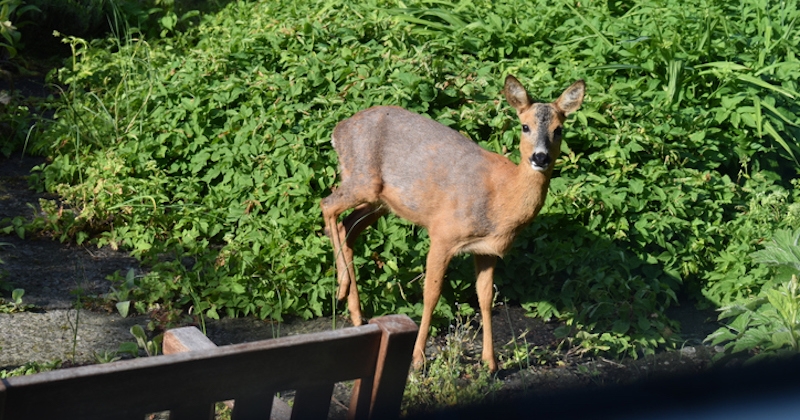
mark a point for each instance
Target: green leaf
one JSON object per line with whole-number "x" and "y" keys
{"x": 723, "y": 65}
{"x": 761, "y": 83}
{"x": 778, "y": 139}
{"x": 620, "y": 326}
{"x": 16, "y": 295}
{"x": 123, "y": 308}
{"x": 129, "y": 348}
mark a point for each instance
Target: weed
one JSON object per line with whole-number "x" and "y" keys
{"x": 15, "y": 304}
{"x": 132, "y": 348}
{"x": 518, "y": 353}
{"x": 150, "y": 347}
{"x": 106, "y": 356}
{"x": 120, "y": 292}
{"x": 222, "y": 411}
{"x": 18, "y": 121}
{"x": 74, "y": 326}
{"x": 447, "y": 380}
{"x": 30, "y": 368}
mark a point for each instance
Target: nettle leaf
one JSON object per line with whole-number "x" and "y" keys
{"x": 783, "y": 250}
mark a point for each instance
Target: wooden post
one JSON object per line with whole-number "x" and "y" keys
{"x": 183, "y": 339}
{"x": 394, "y": 359}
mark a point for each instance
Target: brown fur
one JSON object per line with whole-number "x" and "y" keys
{"x": 469, "y": 199}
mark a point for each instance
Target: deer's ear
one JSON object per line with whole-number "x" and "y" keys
{"x": 516, "y": 95}
{"x": 572, "y": 98}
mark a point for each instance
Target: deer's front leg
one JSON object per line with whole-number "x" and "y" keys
{"x": 435, "y": 268}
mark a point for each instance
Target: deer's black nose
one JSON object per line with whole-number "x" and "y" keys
{"x": 540, "y": 159}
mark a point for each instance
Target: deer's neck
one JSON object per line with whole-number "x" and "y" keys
{"x": 523, "y": 194}
{"x": 530, "y": 190}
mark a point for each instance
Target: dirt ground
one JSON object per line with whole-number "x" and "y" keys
{"x": 55, "y": 274}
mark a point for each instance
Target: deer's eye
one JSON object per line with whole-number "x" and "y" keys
{"x": 557, "y": 132}
{"x": 525, "y": 128}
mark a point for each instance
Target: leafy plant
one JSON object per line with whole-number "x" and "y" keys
{"x": 3, "y": 245}
{"x": 17, "y": 120}
{"x": 15, "y": 304}
{"x": 30, "y": 368}
{"x": 105, "y": 356}
{"x": 783, "y": 252}
{"x": 121, "y": 291}
{"x": 769, "y": 324}
{"x": 735, "y": 276}
{"x": 150, "y": 347}
{"x": 10, "y": 13}
{"x": 96, "y": 18}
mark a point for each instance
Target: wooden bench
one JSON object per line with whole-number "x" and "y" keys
{"x": 198, "y": 374}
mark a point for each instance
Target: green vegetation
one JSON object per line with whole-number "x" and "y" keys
{"x": 150, "y": 347}
{"x": 449, "y": 380}
{"x": 15, "y": 304}
{"x": 30, "y": 368}
{"x": 11, "y": 13}
{"x": 767, "y": 325}
{"x": 16, "y": 127}
{"x": 15, "y": 118}
{"x": 205, "y": 151}
{"x": 96, "y": 18}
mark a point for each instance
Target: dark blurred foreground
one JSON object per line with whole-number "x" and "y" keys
{"x": 767, "y": 390}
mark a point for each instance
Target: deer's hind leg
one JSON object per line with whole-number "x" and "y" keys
{"x": 484, "y": 269}
{"x": 362, "y": 216}
{"x": 343, "y": 236}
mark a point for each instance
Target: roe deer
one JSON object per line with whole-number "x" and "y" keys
{"x": 470, "y": 200}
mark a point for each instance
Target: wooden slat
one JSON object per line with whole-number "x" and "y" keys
{"x": 256, "y": 407}
{"x": 197, "y": 411}
{"x": 179, "y": 340}
{"x": 384, "y": 391}
{"x": 312, "y": 402}
{"x": 360, "y": 399}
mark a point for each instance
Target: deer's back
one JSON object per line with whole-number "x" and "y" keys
{"x": 426, "y": 171}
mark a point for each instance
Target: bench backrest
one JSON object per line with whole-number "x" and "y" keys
{"x": 188, "y": 384}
